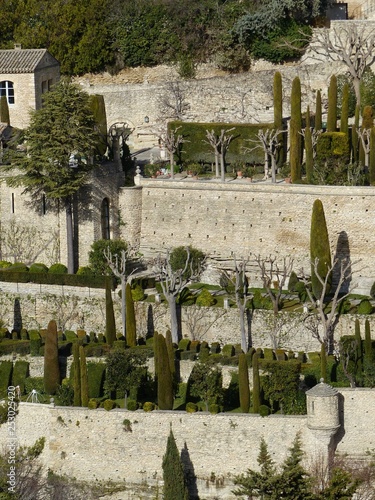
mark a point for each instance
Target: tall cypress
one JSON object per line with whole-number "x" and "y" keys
{"x": 319, "y": 250}
{"x": 295, "y": 153}
{"x": 165, "y": 382}
{"x": 110, "y": 324}
{"x": 369, "y": 358}
{"x": 332, "y": 105}
{"x": 4, "y": 110}
{"x": 344, "y": 120}
{"x": 175, "y": 487}
{"x": 372, "y": 157}
{"x": 318, "y": 111}
{"x": 358, "y": 353}
{"x": 84, "y": 378}
{"x": 76, "y": 375}
{"x": 171, "y": 354}
{"x": 278, "y": 114}
{"x": 256, "y": 383}
{"x": 309, "y": 149}
{"x": 131, "y": 328}
{"x": 355, "y": 140}
{"x": 243, "y": 383}
{"x": 51, "y": 359}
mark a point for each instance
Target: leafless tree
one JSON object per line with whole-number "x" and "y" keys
{"x": 351, "y": 43}
{"x": 197, "y": 321}
{"x": 171, "y": 141}
{"x": 220, "y": 144}
{"x": 269, "y": 141}
{"x": 325, "y": 316}
{"x": 172, "y": 102}
{"x": 364, "y": 135}
{"x": 314, "y": 138}
{"x": 173, "y": 281}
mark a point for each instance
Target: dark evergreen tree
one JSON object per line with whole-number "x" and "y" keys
{"x": 4, "y": 110}
{"x": 369, "y": 358}
{"x": 110, "y": 324}
{"x": 171, "y": 355}
{"x": 165, "y": 382}
{"x": 173, "y": 473}
{"x": 358, "y": 353}
{"x": 84, "y": 379}
{"x": 278, "y": 114}
{"x": 309, "y": 149}
{"x": 318, "y": 112}
{"x": 131, "y": 328}
{"x": 372, "y": 157}
{"x": 344, "y": 127}
{"x": 76, "y": 375}
{"x": 319, "y": 249}
{"x": 295, "y": 154}
{"x": 256, "y": 383}
{"x": 332, "y": 105}
{"x": 243, "y": 383}
{"x": 51, "y": 359}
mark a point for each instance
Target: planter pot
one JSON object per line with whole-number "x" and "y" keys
{"x": 239, "y": 174}
{"x": 288, "y": 180}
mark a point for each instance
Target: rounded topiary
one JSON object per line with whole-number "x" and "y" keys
{"x": 4, "y": 264}
{"x": 84, "y": 271}
{"x": 58, "y": 269}
{"x": 148, "y": 406}
{"x": 18, "y": 267}
{"x": 214, "y": 408}
{"x": 109, "y": 404}
{"x": 365, "y": 307}
{"x": 205, "y": 299}
{"x": 93, "y": 404}
{"x": 191, "y": 407}
{"x": 38, "y": 268}
{"x": 264, "y": 411}
{"x": 138, "y": 294}
{"x": 131, "y": 405}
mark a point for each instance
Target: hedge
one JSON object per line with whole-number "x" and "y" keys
{"x": 20, "y": 373}
{"x": 14, "y": 276}
{"x": 6, "y": 368}
{"x": 95, "y": 375}
{"x": 334, "y": 144}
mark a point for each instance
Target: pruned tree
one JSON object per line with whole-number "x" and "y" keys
{"x": 172, "y": 102}
{"x": 174, "y": 278}
{"x": 269, "y": 141}
{"x": 171, "y": 141}
{"x": 198, "y": 323}
{"x": 220, "y": 144}
{"x": 352, "y": 44}
{"x": 364, "y": 135}
{"x": 323, "y": 317}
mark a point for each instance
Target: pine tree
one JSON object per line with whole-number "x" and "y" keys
{"x": 256, "y": 383}
{"x": 295, "y": 131}
{"x": 110, "y": 324}
{"x": 309, "y": 149}
{"x": 76, "y": 375}
{"x": 4, "y": 110}
{"x": 84, "y": 379}
{"x": 318, "y": 112}
{"x": 332, "y": 105}
{"x": 319, "y": 250}
{"x": 175, "y": 487}
{"x": 165, "y": 383}
{"x": 131, "y": 328}
{"x": 243, "y": 383}
{"x": 344, "y": 127}
{"x": 323, "y": 363}
{"x": 51, "y": 359}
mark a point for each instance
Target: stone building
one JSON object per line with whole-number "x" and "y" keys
{"x": 25, "y": 74}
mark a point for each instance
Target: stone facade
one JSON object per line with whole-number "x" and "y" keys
{"x": 93, "y": 444}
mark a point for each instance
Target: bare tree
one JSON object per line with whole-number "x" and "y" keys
{"x": 314, "y": 138}
{"x": 269, "y": 141}
{"x": 197, "y": 321}
{"x": 350, "y": 43}
{"x": 325, "y": 316}
{"x": 220, "y": 144}
{"x": 173, "y": 281}
{"x": 364, "y": 135}
{"x": 172, "y": 102}
{"x": 172, "y": 141}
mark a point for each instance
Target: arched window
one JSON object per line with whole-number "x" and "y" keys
{"x": 6, "y": 88}
{"x": 105, "y": 219}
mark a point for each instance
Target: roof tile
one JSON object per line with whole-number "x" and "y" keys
{"x": 20, "y": 60}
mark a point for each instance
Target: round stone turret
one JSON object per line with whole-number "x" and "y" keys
{"x": 323, "y": 408}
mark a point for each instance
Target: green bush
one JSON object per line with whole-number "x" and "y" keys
{"x": 4, "y": 264}
{"x": 34, "y": 383}
{"x": 215, "y": 348}
{"x": 372, "y": 291}
{"x": 6, "y": 369}
{"x": 293, "y": 280}
{"x": 364, "y": 307}
{"x": 184, "y": 344}
{"x": 95, "y": 376}
{"x": 191, "y": 407}
{"x": 264, "y": 411}
{"x": 84, "y": 271}
{"x": 9, "y": 346}
{"x": 18, "y": 267}
{"x": 228, "y": 350}
{"x": 214, "y": 408}
{"x": 70, "y": 335}
{"x": 93, "y": 404}
{"x": 332, "y": 144}
{"x": 132, "y": 405}
{"x": 148, "y": 406}
{"x": 20, "y": 373}
{"x": 58, "y": 269}
{"x": 205, "y": 299}
{"x": 195, "y": 346}
{"x": 38, "y": 268}
{"x": 109, "y": 404}
{"x": 138, "y": 294}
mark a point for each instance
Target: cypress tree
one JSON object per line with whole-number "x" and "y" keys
{"x": 165, "y": 383}
{"x": 318, "y": 112}
{"x": 358, "y": 352}
{"x": 372, "y": 157}
{"x": 51, "y": 359}
{"x": 171, "y": 354}
{"x": 156, "y": 354}
{"x": 332, "y": 105}
{"x": 175, "y": 487}
{"x": 355, "y": 140}
{"x": 369, "y": 358}
{"x": 131, "y": 328}
{"x": 278, "y": 113}
{"x": 323, "y": 363}
{"x": 76, "y": 375}
{"x": 243, "y": 383}
{"x": 84, "y": 379}
{"x": 295, "y": 131}
{"x": 110, "y": 324}
{"x": 319, "y": 250}
{"x": 256, "y": 383}
{"x": 309, "y": 149}
{"x": 344, "y": 126}
{"x": 4, "y": 110}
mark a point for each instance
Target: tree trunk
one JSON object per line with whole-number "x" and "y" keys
{"x": 273, "y": 168}
{"x": 171, "y": 162}
{"x": 242, "y": 327}
{"x": 217, "y": 171}
{"x": 222, "y": 165}
{"x": 69, "y": 234}
{"x": 174, "y": 322}
{"x": 357, "y": 91}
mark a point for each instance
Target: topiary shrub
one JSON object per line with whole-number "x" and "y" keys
{"x": 372, "y": 291}
{"x": 137, "y": 293}
{"x": 293, "y": 280}
{"x": 364, "y": 307}
{"x": 34, "y": 383}
{"x": 195, "y": 346}
{"x": 205, "y": 299}
{"x": 4, "y": 264}
{"x": 109, "y": 404}
{"x": 18, "y": 267}
{"x": 70, "y": 335}
{"x": 95, "y": 376}
{"x": 6, "y": 369}
{"x": 184, "y": 344}
{"x": 93, "y": 404}
{"x": 148, "y": 406}
{"x": 84, "y": 271}
{"x": 58, "y": 269}
{"x": 228, "y": 350}
{"x": 38, "y": 268}
{"x": 214, "y": 408}
{"x": 264, "y": 411}
{"x": 191, "y": 407}
{"x": 215, "y": 348}
{"x": 20, "y": 373}
{"x": 132, "y": 405}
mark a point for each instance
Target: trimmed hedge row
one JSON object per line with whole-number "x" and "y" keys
{"x": 52, "y": 279}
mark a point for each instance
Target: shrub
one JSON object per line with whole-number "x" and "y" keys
{"x": 97, "y": 260}
{"x": 95, "y": 375}
{"x": 148, "y": 406}
{"x": 264, "y": 411}
{"x": 93, "y": 404}
{"x": 228, "y": 350}
{"x": 38, "y": 268}
{"x": 6, "y": 369}
{"x": 214, "y": 408}
{"x": 18, "y": 267}
{"x": 34, "y": 383}
{"x": 4, "y": 264}
{"x": 293, "y": 280}
{"x": 138, "y": 294}
{"x": 191, "y": 407}
{"x": 205, "y": 299}
{"x": 132, "y": 405}
{"x": 20, "y": 373}
{"x": 51, "y": 359}
{"x": 58, "y": 269}
{"x": 109, "y": 404}
{"x": 184, "y": 344}
{"x": 85, "y": 271}
{"x": 372, "y": 291}
{"x": 365, "y": 307}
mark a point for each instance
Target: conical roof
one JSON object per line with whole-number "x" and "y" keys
{"x": 322, "y": 390}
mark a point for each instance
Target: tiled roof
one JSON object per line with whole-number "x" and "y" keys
{"x": 322, "y": 390}
{"x": 20, "y": 60}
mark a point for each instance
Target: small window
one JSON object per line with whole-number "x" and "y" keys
{"x": 105, "y": 219}
{"x": 6, "y": 88}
